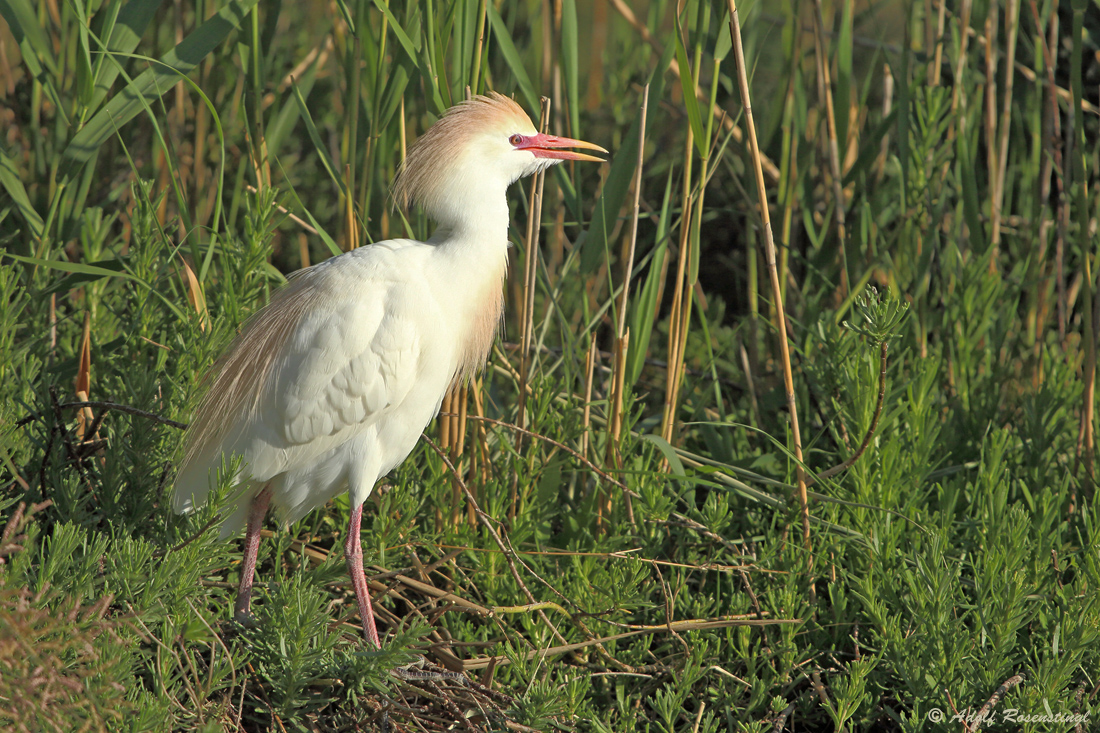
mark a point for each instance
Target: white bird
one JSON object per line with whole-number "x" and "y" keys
{"x": 330, "y": 385}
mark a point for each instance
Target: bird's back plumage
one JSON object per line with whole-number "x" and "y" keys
{"x": 330, "y": 385}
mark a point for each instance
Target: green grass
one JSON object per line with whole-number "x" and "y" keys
{"x": 666, "y": 573}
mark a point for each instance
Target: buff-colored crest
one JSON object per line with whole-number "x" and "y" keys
{"x": 440, "y": 147}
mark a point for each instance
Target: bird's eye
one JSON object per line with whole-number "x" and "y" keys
{"x": 516, "y": 139}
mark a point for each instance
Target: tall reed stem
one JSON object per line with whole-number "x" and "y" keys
{"x": 1012, "y": 20}
{"x": 527, "y": 316}
{"x": 615, "y": 424}
{"x": 769, "y": 252}
{"x": 1080, "y": 191}
{"x": 825, "y": 91}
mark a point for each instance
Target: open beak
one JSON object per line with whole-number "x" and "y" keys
{"x": 549, "y": 146}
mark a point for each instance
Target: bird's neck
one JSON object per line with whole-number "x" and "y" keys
{"x": 472, "y": 257}
{"x": 478, "y": 225}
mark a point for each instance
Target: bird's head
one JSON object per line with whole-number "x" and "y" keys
{"x": 467, "y": 159}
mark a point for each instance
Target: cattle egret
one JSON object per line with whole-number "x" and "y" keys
{"x": 330, "y": 385}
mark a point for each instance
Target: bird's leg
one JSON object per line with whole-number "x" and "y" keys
{"x": 256, "y": 512}
{"x": 353, "y": 551}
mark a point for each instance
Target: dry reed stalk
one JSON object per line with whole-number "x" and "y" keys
{"x": 960, "y": 70}
{"x": 303, "y": 249}
{"x": 672, "y": 371}
{"x": 1062, "y": 212}
{"x": 612, "y": 457}
{"x": 460, "y": 400}
{"x": 527, "y": 309}
{"x": 887, "y": 106}
{"x": 680, "y": 315}
{"x": 445, "y": 409}
{"x": 788, "y": 197}
{"x": 691, "y": 288}
{"x": 586, "y": 417}
{"x": 937, "y": 57}
{"x": 621, "y": 334}
{"x": 769, "y": 245}
{"x": 258, "y": 148}
{"x": 479, "y": 458}
{"x": 991, "y": 99}
{"x": 1012, "y": 21}
{"x": 351, "y": 232}
{"x": 825, "y": 91}
{"x": 83, "y": 383}
{"x": 1050, "y": 160}
{"x": 480, "y": 45}
{"x": 1077, "y": 152}
{"x": 530, "y": 270}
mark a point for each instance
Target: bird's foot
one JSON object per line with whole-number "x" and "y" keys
{"x": 415, "y": 671}
{"x": 244, "y": 620}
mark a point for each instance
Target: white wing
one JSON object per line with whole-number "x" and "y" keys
{"x": 334, "y": 353}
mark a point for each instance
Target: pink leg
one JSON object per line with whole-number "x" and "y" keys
{"x": 251, "y": 548}
{"x": 353, "y": 552}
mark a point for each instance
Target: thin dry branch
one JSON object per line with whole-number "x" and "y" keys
{"x": 1000, "y": 692}
{"x": 487, "y": 522}
{"x": 675, "y": 626}
{"x": 116, "y": 407}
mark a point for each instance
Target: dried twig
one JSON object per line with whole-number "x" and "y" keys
{"x": 487, "y": 522}
{"x": 123, "y": 408}
{"x": 993, "y": 700}
{"x": 588, "y": 464}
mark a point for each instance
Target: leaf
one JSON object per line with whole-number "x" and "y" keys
{"x": 615, "y": 188}
{"x": 318, "y": 143}
{"x": 328, "y": 240}
{"x": 78, "y": 267}
{"x": 972, "y": 209}
{"x": 9, "y": 179}
{"x": 843, "y": 101}
{"x": 391, "y": 98}
{"x": 84, "y": 80}
{"x": 871, "y": 148}
{"x": 35, "y": 47}
{"x": 687, "y": 86}
{"x": 511, "y": 55}
{"x": 23, "y": 22}
{"x": 569, "y": 53}
{"x": 121, "y": 37}
{"x": 724, "y": 44}
{"x": 395, "y": 26}
{"x": 195, "y": 296}
{"x": 151, "y": 84}
{"x": 413, "y": 52}
{"x": 288, "y": 114}
{"x": 668, "y": 452}
{"x": 644, "y": 305}
{"x": 76, "y": 279}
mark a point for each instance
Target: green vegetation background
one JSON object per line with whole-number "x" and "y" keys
{"x": 658, "y": 580}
